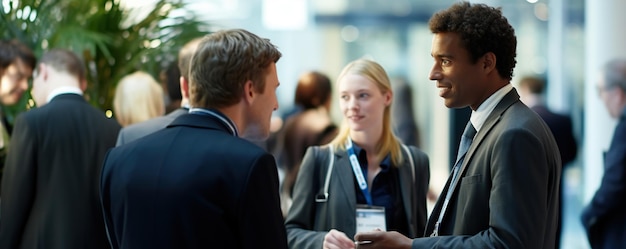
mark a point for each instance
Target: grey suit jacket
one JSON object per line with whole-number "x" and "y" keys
{"x": 509, "y": 191}
{"x": 309, "y": 220}
{"x": 138, "y": 130}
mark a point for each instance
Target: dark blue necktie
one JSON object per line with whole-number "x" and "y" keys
{"x": 466, "y": 141}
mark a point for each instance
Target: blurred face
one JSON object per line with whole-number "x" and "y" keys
{"x": 37, "y": 91}
{"x": 612, "y": 97}
{"x": 258, "y": 127}
{"x": 362, "y": 103}
{"x": 459, "y": 81}
{"x": 14, "y": 82}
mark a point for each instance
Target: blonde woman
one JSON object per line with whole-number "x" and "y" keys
{"x": 138, "y": 97}
{"x": 365, "y": 178}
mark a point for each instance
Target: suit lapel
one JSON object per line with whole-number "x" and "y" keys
{"x": 406, "y": 186}
{"x": 345, "y": 178}
{"x": 490, "y": 123}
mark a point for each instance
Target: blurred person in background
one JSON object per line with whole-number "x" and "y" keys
{"x": 197, "y": 183}
{"x": 531, "y": 91}
{"x": 403, "y": 114}
{"x": 17, "y": 62}
{"x": 365, "y": 168}
{"x": 311, "y": 126}
{"x": 170, "y": 82}
{"x": 604, "y": 218}
{"x": 138, "y": 130}
{"x": 50, "y": 186}
{"x": 138, "y": 97}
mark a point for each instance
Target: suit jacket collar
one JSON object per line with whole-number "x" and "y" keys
{"x": 68, "y": 96}
{"x": 63, "y": 90}
{"x": 178, "y": 112}
{"x": 495, "y": 116}
{"x": 221, "y": 117}
{"x": 504, "y": 104}
{"x": 200, "y": 121}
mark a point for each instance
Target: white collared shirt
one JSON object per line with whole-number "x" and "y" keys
{"x": 62, "y": 90}
{"x": 479, "y": 117}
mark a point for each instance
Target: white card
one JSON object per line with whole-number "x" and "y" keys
{"x": 369, "y": 218}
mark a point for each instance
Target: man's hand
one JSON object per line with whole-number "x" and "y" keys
{"x": 337, "y": 240}
{"x": 382, "y": 240}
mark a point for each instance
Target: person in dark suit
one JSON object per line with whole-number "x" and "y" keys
{"x": 198, "y": 183}
{"x": 364, "y": 165}
{"x": 604, "y": 218}
{"x": 138, "y": 130}
{"x": 504, "y": 189}
{"x": 311, "y": 126}
{"x": 531, "y": 90}
{"x": 170, "y": 81}
{"x": 403, "y": 113}
{"x": 17, "y": 62}
{"x": 50, "y": 186}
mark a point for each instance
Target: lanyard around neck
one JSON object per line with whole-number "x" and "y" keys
{"x": 356, "y": 168}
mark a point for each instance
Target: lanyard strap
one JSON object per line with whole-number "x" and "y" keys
{"x": 218, "y": 116}
{"x": 356, "y": 168}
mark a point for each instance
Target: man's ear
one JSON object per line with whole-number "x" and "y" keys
{"x": 42, "y": 70}
{"x": 184, "y": 87}
{"x": 489, "y": 62}
{"x": 82, "y": 84}
{"x": 248, "y": 91}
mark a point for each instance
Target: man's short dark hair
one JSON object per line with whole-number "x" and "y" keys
{"x": 222, "y": 64}
{"x": 12, "y": 50}
{"x": 64, "y": 60}
{"x": 482, "y": 29}
{"x": 313, "y": 90}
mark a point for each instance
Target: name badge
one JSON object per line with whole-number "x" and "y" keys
{"x": 369, "y": 218}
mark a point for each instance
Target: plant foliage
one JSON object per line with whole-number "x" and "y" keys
{"x": 112, "y": 40}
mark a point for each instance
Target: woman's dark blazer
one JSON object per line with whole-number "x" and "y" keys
{"x": 313, "y": 214}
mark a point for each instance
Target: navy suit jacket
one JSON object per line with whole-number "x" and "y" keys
{"x": 192, "y": 185}
{"x": 50, "y": 187}
{"x": 604, "y": 218}
{"x": 508, "y": 194}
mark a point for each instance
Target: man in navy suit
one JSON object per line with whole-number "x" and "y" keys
{"x": 138, "y": 130}
{"x": 198, "y": 183}
{"x": 604, "y": 217}
{"x": 50, "y": 185}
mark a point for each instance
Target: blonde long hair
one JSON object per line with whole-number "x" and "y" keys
{"x": 138, "y": 97}
{"x": 389, "y": 143}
